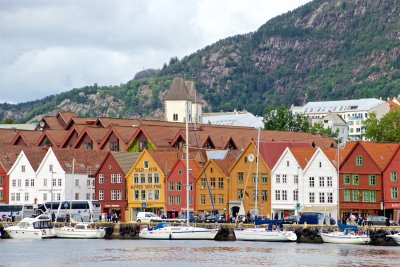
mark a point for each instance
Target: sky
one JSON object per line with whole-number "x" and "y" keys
{"x": 53, "y": 46}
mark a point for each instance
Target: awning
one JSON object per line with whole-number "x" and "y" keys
{"x": 329, "y": 208}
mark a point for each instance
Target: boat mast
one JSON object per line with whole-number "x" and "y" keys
{"x": 187, "y": 161}
{"x": 258, "y": 154}
{"x": 338, "y": 185}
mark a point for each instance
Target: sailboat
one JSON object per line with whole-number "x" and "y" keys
{"x": 348, "y": 234}
{"x": 274, "y": 231}
{"x": 166, "y": 231}
{"x": 81, "y": 230}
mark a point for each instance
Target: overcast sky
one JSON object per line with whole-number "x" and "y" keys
{"x": 48, "y": 47}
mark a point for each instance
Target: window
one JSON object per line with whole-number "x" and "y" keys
{"x": 329, "y": 181}
{"x": 220, "y": 199}
{"x": 284, "y": 194}
{"x": 295, "y": 195}
{"x": 278, "y": 178}
{"x": 150, "y": 194}
{"x": 14, "y": 183}
{"x": 175, "y": 117}
{"x": 264, "y": 178}
{"x": 171, "y": 186}
{"x": 142, "y": 178}
{"x": 311, "y": 181}
{"x": 178, "y": 199}
{"x": 277, "y": 194}
{"x": 284, "y": 179}
{"x": 220, "y": 183}
{"x": 330, "y": 197}
{"x": 190, "y": 200}
{"x": 359, "y": 161}
{"x": 202, "y": 183}
{"x": 369, "y": 196}
{"x": 113, "y": 178}
{"x": 19, "y": 182}
{"x": 296, "y": 179}
{"x": 356, "y": 179}
{"x": 87, "y": 196}
{"x": 346, "y": 195}
{"x": 355, "y": 195}
{"x": 212, "y": 182}
{"x": 346, "y": 179}
{"x": 101, "y": 194}
{"x": 114, "y": 146}
{"x": 51, "y": 167}
{"x": 156, "y": 178}
{"x": 143, "y": 194}
{"x": 1, "y": 195}
{"x": 202, "y": 199}
{"x": 190, "y": 186}
{"x": 88, "y": 145}
{"x": 18, "y": 197}
{"x": 1, "y": 180}
{"x": 149, "y": 178}
{"x": 371, "y": 179}
{"x": 393, "y": 176}
{"x": 76, "y": 182}
{"x": 136, "y": 195}
{"x": 44, "y": 196}
{"x": 135, "y": 178}
{"x": 12, "y": 196}
{"x": 171, "y": 200}
{"x": 142, "y": 145}
{"x": 264, "y": 195}
{"x": 212, "y": 199}
{"x": 146, "y": 164}
{"x": 239, "y": 194}
{"x": 60, "y": 182}
{"x": 32, "y": 182}
{"x": 113, "y": 194}
{"x": 156, "y": 194}
{"x": 240, "y": 177}
{"x": 312, "y": 197}
{"x": 287, "y": 163}
{"x": 394, "y": 192}
{"x": 55, "y": 182}
{"x": 254, "y": 178}
{"x": 321, "y": 197}
{"x": 23, "y": 168}
{"x": 27, "y": 182}
{"x": 178, "y": 186}
{"x": 76, "y": 196}
{"x": 320, "y": 164}
{"x": 26, "y": 197}
{"x": 45, "y": 182}
{"x": 119, "y": 178}
{"x": 321, "y": 181}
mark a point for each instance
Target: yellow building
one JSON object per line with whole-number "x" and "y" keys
{"x": 145, "y": 182}
{"x": 212, "y": 184}
{"x": 242, "y": 184}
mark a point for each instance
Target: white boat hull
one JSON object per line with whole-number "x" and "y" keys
{"x": 262, "y": 234}
{"x": 71, "y": 232}
{"x": 341, "y": 238}
{"x": 17, "y": 233}
{"x": 396, "y": 237}
{"x": 179, "y": 233}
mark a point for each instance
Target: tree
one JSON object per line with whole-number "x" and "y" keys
{"x": 8, "y": 121}
{"x": 387, "y": 129}
{"x": 282, "y": 119}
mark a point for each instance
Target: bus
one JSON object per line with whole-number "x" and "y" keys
{"x": 15, "y": 213}
{"x": 80, "y": 210}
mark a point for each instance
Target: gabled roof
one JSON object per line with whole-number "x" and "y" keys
{"x": 381, "y": 153}
{"x": 7, "y": 135}
{"x": 165, "y": 159}
{"x": 225, "y": 164}
{"x": 302, "y": 155}
{"x": 80, "y": 121}
{"x": 124, "y": 134}
{"x": 272, "y": 151}
{"x": 8, "y": 155}
{"x": 56, "y": 137}
{"x": 49, "y": 122}
{"x": 125, "y": 159}
{"x": 178, "y": 91}
{"x": 29, "y": 137}
{"x": 35, "y": 156}
{"x": 95, "y": 134}
{"x": 65, "y": 117}
{"x": 108, "y": 122}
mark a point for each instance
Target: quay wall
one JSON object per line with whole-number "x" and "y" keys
{"x": 305, "y": 234}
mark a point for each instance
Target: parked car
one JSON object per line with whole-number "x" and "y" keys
{"x": 316, "y": 218}
{"x": 145, "y": 216}
{"x": 291, "y": 219}
{"x": 215, "y": 218}
{"x": 379, "y": 220}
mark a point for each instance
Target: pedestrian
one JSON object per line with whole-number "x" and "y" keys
{"x": 109, "y": 216}
{"x": 53, "y": 217}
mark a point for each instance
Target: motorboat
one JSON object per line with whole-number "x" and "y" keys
{"x": 32, "y": 228}
{"x": 80, "y": 230}
{"x": 274, "y": 232}
{"x": 166, "y": 231}
{"x": 347, "y": 234}
{"x": 396, "y": 237}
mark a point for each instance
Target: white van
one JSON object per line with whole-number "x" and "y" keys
{"x": 144, "y": 216}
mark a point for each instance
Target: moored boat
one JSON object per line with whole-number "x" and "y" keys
{"x": 166, "y": 231}
{"x": 32, "y": 228}
{"x": 396, "y": 237}
{"x": 349, "y": 234}
{"x": 80, "y": 230}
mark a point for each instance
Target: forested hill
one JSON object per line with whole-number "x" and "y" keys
{"x": 324, "y": 50}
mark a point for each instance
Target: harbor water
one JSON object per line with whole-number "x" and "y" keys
{"x": 67, "y": 252}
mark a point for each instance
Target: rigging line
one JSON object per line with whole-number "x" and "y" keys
{"x": 205, "y": 173}
{"x": 247, "y": 180}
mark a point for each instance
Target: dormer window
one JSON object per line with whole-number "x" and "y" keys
{"x": 146, "y": 164}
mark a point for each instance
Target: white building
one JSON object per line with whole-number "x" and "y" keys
{"x": 353, "y": 112}
{"x": 235, "y": 118}
{"x": 319, "y": 185}
{"x": 336, "y": 123}
{"x": 286, "y": 177}
{"x": 180, "y": 94}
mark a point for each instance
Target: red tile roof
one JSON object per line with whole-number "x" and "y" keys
{"x": 302, "y": 155}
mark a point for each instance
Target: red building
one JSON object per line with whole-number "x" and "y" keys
{"x": 175, "y": 197}
{"x": 391, "y": 185}
{"x": 110, "y": 182}
{"x": 361, "y": 175}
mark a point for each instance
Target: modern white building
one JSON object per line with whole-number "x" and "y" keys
{"x": 353, "y": 112}
{"x": 235, "y": 118}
